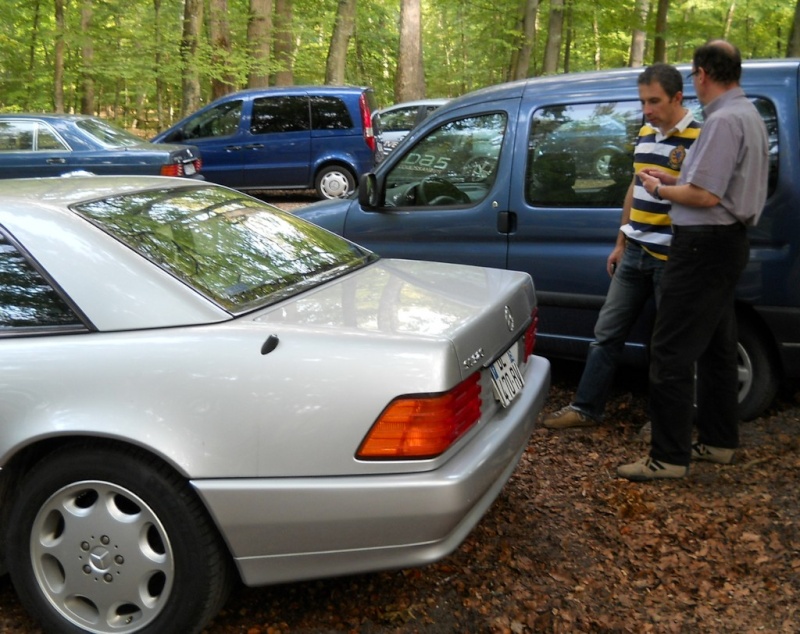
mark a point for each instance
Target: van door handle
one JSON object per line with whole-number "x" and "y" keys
{"x": 506, "y": 222}
{"x": 254, "y": 146}
{"x": 233, "y": 148}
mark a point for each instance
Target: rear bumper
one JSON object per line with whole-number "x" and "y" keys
{"x": 291, "y": 529}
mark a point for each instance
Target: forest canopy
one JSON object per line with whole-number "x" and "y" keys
{"x": 144, "y": 63}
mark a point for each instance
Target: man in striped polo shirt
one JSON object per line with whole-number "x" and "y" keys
{"x": 636, "y": 263}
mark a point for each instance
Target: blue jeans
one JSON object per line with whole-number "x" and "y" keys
{"x": 696, "y": 323}
{"x": 637, "y": 278}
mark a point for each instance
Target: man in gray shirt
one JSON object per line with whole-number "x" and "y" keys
{"x": 720, "y": 191}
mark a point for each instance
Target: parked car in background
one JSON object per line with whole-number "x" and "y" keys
{"x": 393, "y": 123}
{"x": 33, "y": 145}
{"x": 500, "y": 178}
{"x": 299, "y": 137}
{"x": 198, "y": 387}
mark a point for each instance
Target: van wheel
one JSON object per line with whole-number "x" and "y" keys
{"x": 335, "y": 181}
{"x": 759, "y": 375}
{"x": 103, "y": 539}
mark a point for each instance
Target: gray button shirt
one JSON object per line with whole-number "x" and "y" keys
{"x": 730, "y": 160}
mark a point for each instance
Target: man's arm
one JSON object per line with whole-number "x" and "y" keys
{"x": 619, "y": 248}
{"x": 688, "y": 194}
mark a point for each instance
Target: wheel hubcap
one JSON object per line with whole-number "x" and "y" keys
{"x": 102, "y": 558}
{"x": 335, "y": 185}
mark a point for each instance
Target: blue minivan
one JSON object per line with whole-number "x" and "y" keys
{"x": 531, "y": 175}
{"x": 298, "y": 137}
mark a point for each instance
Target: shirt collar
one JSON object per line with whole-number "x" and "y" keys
{"x": 687, "y": 118}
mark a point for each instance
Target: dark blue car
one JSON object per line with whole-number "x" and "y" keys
{"x": 509, "y": 177}
{"x": 297, "y": 137}
{"x": 33, "y": 145}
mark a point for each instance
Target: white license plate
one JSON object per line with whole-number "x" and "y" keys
{"x": 507, "y": 380}
{"x": 188, "y": 168}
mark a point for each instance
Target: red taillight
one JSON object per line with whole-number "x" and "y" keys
{"x": 366, "y": 122}
{"x": 416, "y": 427}
{"x": 530, "y": 334}
{"x": 173, "y": 169}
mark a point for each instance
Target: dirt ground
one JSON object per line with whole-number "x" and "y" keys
{"x": 569, "y": 547}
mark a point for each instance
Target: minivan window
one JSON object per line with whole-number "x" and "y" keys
{"x": 455, "y": 164}
{"x": 329, "y": 113}
{"x": 220, "y": 121}
{"x": 582, "y": 154}
{"x": 280, "y": 114}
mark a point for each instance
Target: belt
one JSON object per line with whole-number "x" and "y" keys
{"x": 736, "y": 226}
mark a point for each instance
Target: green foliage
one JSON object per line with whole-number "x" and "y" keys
{"x": 467, "y": 44}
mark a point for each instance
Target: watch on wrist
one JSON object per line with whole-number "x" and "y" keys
{"x": 656, "y": 192}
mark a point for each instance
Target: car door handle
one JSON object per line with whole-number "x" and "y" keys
{"x": 254, "y": 146}
{"x": 233, "y": 148}
{"x": 506, "y": 222}
{"x": 56, "y": 161}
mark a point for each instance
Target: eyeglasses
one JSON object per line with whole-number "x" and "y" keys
{"x": 693, "y": 73}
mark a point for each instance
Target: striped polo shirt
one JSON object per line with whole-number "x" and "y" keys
{"x": 649, "y": 223}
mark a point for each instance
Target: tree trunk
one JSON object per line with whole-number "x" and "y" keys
{"x": 192, "y": 23}
{"x": 660, "y": 48}
{"x": 160, "y": 84}
{"x": 569, "y": 35}
{"x": 259, "y": 34}
{"x": 521, "y": 58}
{"x": 284, "y": 46}
{"x": 409, "y": 80}
{"x": 343, "y": 30}
{"x": 729, "y": 20}
{"x": 555, "y": 27}
{"x": 793, "y": 49}
{"x": 87, "y": 58}
{"x": 222, "y": 80}
{"x": 638, "y": 37}
{"x": 58, "y": 62}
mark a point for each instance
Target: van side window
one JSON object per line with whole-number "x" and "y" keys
{"x": 221, "y": 121}
{"x": 280, "y": 114}
{"x": 767, "y": 111}
{"x": 455, "y": 164}
{"x": 582, "y": 154}
{"x": 329, "y": 113}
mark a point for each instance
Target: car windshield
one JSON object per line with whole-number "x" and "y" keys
{"x": 107, "y": 134}
{"x": 238, "y": 252}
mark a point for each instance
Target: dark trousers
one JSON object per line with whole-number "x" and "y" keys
{"x": 696, "y": 323}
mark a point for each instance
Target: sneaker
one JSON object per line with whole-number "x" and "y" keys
{"x": 720, "y": 455}
{"x": 649, "y": 469}
{"x": 568, "y": 417}
{"x": 646, "y": 433}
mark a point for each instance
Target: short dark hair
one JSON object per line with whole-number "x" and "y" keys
{"x": 720, "y": 60}
{"x": 664, "y": 74}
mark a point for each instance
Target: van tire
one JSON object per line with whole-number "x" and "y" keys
{"x": 335, "y": 181}
{"x": 759, "y": 374}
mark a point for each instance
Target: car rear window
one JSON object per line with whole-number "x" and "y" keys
{"x": 237, "y": 251}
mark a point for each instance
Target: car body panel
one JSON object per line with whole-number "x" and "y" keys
{"x": 261, "y": 411}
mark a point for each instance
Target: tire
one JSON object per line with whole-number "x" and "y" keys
{"x": 335, "y": 181}
{"x": 759, "y": 374}
{"x": 106, "y": 539}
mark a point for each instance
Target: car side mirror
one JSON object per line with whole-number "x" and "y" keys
{"x": 369, "y": 191}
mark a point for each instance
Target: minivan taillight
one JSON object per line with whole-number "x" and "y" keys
{"x": 366, "y": 122}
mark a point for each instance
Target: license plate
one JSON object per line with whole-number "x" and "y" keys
{"x": 188, "y": 168}
{"x": 507, "y": 380}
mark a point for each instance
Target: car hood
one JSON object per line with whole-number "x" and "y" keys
{"x": 328, "y": 214}
{"x": 478, "y": 311}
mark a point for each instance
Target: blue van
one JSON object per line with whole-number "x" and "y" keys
{"x": 531, "y": 175}
{"x": 298, "y": 137}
